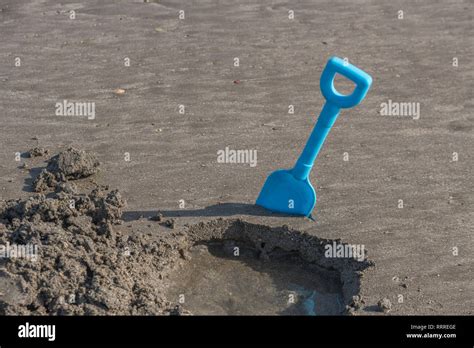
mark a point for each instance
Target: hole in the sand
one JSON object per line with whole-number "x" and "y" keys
{"x": 233, "y": 267}
{"x": 232, "y": 278}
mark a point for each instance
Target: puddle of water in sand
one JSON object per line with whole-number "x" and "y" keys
{"x": 215, "y": 282}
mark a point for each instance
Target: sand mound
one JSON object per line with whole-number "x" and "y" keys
{"x": 70, "y": 164}
{"x": 83, "y": 265}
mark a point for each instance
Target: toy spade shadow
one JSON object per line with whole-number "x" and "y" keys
{"x": 290, "y": 191}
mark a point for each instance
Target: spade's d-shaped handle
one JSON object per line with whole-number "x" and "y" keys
{"x": 361, "y": 79}
{"x": 334, "y": 102}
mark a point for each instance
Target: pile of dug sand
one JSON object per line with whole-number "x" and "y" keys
{"x": 84, "y": 265}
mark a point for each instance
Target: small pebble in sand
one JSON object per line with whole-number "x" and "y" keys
{"x": 158, "y": 217}
{"x": 355, "y": 305}
{"x": 356, "y": 302}
{"x": 169, "y": 223}
{"x": 384, "y": 305}
{"x": 179, "y": 310}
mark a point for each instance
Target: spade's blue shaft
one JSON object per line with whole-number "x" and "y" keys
{"x": 316, "y": 140}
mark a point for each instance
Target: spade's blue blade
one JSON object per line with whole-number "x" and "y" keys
{"x": 284, "y": 193}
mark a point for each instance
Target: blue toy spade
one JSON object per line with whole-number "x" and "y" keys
{"x": 290, "y": 191}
